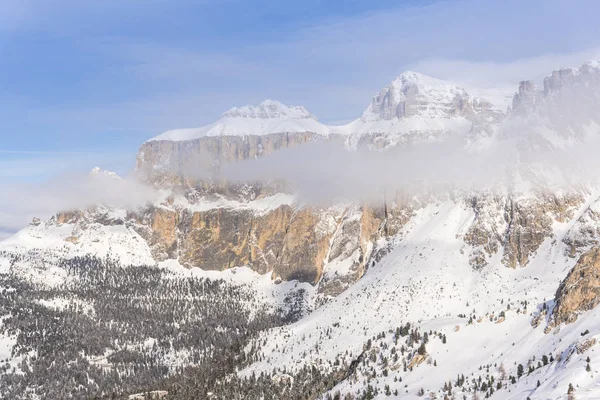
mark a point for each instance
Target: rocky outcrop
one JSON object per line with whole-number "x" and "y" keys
{"x": 223, "y": 238}
{"x": 164, "y": 233}
{"x": 68, "y": 217}
{"x": 187, "y": 162}
{"x": 585, "y": 232}
{"x": 215, "y": 239}
{"x": 289, "y": 241}
{"x": 557, "y": 79}
{"x": 580, "y": 290}
{"x": 413, "y": 94}
{"x": 560, "y": 114}
{"x": 305, "y": 246}
{"x": 525, "y": 99}
{"x": 487, "y": 231}
{"x": 517, "y": 225}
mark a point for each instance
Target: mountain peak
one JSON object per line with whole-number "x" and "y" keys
{"x": 414, "y": 94}
{"x": 419, "y": 79}
{"x": 268, "y": 117}
{"x": 268, "y": 109}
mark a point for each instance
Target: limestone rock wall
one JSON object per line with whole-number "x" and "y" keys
{"x": 188, "y": 161}
{"x": 516, "y": 225}
{"x": 580, "y": 290}
{"x": 289, "y": 241}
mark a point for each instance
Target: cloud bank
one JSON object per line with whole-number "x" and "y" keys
{"x": 21, "y": 202}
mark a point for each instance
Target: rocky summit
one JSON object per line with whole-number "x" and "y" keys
{"x": 216, "y": 287}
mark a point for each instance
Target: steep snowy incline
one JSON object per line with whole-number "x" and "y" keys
{"x": 427, "y": 281}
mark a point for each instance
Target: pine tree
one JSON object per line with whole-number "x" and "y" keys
{"x": 571, "y": 392}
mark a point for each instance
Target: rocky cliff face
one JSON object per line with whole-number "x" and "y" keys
{"x": 525, "y": 99}
{"x": 516, "y": 225}
{"x": 289, "y": 241}
{"x": 416, "y": 95}
{"x": 562, "y": 113}
{"x": 580, "y": 290}
{"x": 165, "y": 161}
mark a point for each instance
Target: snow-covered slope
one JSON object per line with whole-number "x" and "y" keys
{"x": 485, "y": 318}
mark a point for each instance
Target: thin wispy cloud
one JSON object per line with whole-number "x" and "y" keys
{"x": 22, "y": 201}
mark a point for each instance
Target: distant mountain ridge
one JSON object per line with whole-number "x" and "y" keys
{"x": 410, "y": 95}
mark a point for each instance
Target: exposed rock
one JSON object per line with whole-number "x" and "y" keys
{"x": 537, "y": 319}
{"x": 416, "y": 360}
{"x": 72, "y": 239}
{"x": 267, "y": 238}
{"x": 516, "y": 225}
{"x": 414, "y": 94}
{"x": 305, "y": 247}
{"x": 185, "y": 162}
{"x": 487, "y": 232}
{"x": 557, "y": 79}
{"x": 585, "y": 232}
{"x": 355, "y": 242}
{"x": 216, "y": 239}
{"x": 580, "y": 290}
{"x": 68, "y": 217}
{"x": 164, "y": 233}
{"x": 584, "y": 346}
{"x": 526, "y": 98}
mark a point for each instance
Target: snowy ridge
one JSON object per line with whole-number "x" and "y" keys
{"x": 433, "y": 94}
{"x": 269, "y": 117}
{"x": 412, "y": 102}
{"x": 269, "y": 109}
{"x": 412, "y": 107}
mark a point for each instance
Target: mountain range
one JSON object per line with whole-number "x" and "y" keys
{"x": 483, "y": 285}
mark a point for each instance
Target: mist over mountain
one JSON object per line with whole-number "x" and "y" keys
{"x": 438, "y": 246}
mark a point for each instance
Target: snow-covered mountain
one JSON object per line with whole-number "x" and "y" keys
{"x": 269, "y": 117}
{"x": 454, "y": 293}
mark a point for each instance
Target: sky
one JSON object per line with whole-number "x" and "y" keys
{"x": 84, "y": 83}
